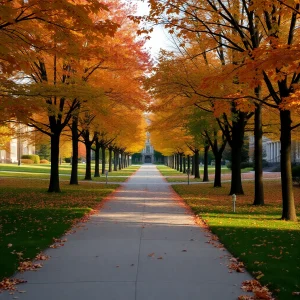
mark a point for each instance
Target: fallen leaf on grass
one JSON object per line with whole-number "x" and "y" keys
{"x": 296, "y": 293}
{"x": 260, "y": 292}
{"x": 237, "y": 266}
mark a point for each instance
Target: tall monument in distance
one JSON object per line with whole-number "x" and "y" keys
{"x": 148, "y": 151}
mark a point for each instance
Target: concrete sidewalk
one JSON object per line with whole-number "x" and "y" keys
{"x": 142, "y": 245}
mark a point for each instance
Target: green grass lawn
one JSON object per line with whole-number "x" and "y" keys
{"x": 43, "y": 172}
{"x": 176, "y": 176}
{"x": 268, "y": 246}
{"x": 30, "y": 217}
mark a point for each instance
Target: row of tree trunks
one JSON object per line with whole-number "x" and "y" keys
{"x": 182, "y": 163}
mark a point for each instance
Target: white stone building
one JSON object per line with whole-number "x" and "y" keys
{"x": 148, "y": 151}
{"x": 19, "y": 145}
{"x": 272, "y": 148}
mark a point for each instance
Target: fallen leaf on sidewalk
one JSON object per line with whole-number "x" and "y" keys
{"x": 184, "y": 250}
{"x": 151, "y": 254}
{"x": 28, "y": 266}
{"x": 10, "y": 284}
{"x": 41, "y": 256}
{"x": 160, "y": 257}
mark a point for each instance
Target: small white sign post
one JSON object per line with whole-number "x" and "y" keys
{"x": 233, "y": 202}
{"x": 188, "y": 172}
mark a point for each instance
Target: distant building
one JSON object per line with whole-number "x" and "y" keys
{"x": 19, "y": 145}
{"x": 271, "y": 150}
{"x": 148, "y": 151}
{"x": 148, "y": 154}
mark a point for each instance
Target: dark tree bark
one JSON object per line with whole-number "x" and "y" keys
{"x": 54, "y": 172}
{"x": 236, "y": 176}
{"x": 88, "y": 169}
{"x": 197, "y": 161}
{"x": 97, "y": 159}
{"x": 110, "y": 149}
{"x": 103, "y": 158}
{"x": 174, "y": 162}
{"x": 120, "y": 160}
{"x": 88, "y": 147}
{"x": 236, "y": 144}
{"x": 189, "y": 162}
{"x": 218, "y": 152}
{"x": 116, "y": 159}
{"x": 258, "y": 150}
{"x": 218, "y": 170}
{"x": 180, "y": 162}
{"x": 75, "y": 138}
{"x": 184, "y": 164}
{"x": 205, "y": 172}
{"x": 177, "y": 162}
{"x": 193, "y": 165}
{"x": 288, "y": 204}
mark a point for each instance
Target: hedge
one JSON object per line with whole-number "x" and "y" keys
{"x": 26, "y": 161}
{"x": 35, "y": 158}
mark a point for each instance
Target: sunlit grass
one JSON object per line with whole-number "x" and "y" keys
{"x": 255, "y": 234}
{"x": 176, "y": 176}
{"x": 43, "y": 172}
{"x": 30, "y": 217}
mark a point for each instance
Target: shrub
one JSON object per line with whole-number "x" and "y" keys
{"x": 246, "y": 165}
{"x": 26, "y": 161}
{"x": 35, "y": 158}
{"x": 243, "y": 165}
{"x": 296, "y": 171}
{"x": 44, "y": 161}
{"x": 68, "y": 159}
{"x": 296, "y": 174}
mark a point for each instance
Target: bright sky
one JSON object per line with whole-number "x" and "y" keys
{"x": 159, "y": 38}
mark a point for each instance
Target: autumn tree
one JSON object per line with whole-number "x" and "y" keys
{"x": 261, "y": 41}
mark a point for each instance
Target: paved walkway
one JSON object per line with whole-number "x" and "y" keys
{"x": 142, "y": 245}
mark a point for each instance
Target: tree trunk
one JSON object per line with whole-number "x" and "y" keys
{"x": 238, "y": 130}
{"x": 97, "y": 160}
{"x": 174, "y": 162}
{"x": 184, "y": 164}
{"x": 177, "y": 162}
{"x": 180, "y": 162}
{"x": 120, "y": 161}
{"x": 110, "y": 160}
{"x": 103, "y": 159}
{"x": 74, "y": 170}
{"x": 288, "y": 205}
{"x": 218, "y": 170}
{"x": 116, "y": 158}
{"x": 193, "y": 165}
{"x": 205, "y": 173}
{"x": 189, "y": 162}
{"x": 54, "y": 171}
{"x": 196, "y": 170}
{"x": 258, "y": 150}
{"x": 88, "y": 169}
